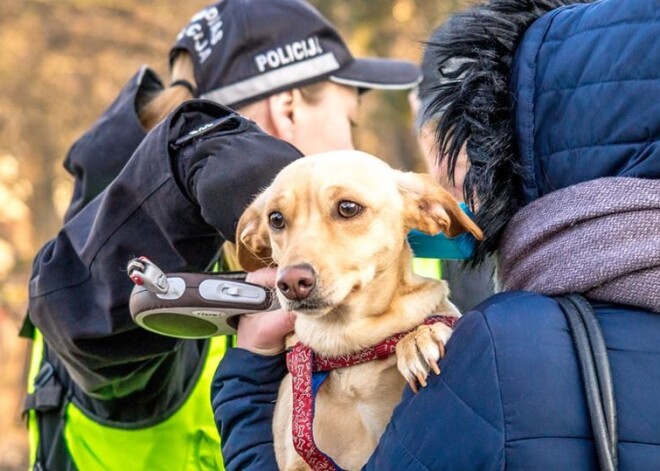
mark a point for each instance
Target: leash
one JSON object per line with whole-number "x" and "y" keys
{"x": 308, "y": 372}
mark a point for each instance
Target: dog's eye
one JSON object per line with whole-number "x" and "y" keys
{"x": 348, "y": 209}
{"x": 276, "y": 220}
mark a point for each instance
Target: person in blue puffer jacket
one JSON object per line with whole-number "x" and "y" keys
{"x": 558, "y": 107}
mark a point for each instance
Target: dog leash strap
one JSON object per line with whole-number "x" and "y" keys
{"x": 383, "y": 350}
{"x": 299, "y": 362}
{"x": 303, "y": 364}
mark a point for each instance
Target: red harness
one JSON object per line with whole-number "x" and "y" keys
{"x": 303, "y": 364}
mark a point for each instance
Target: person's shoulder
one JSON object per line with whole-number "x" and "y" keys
{"x": 518, "y": 309}
{"x": 513, "y": 325}
{"x": 508, "y": 299}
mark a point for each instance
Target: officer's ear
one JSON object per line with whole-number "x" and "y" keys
{"x": 252, "y": 239}
{"x": 281, "y": 109}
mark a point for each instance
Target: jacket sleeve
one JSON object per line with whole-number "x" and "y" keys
{"x": 175, "y": 201}
{"x": 454, "y": 423}
{"x": 98, "y": 156}
{"x": 244, "y": 393}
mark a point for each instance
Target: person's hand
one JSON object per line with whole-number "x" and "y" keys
{"x": 264, "y": 332}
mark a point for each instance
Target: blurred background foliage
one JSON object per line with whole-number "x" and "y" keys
{"x": 61, "y": 64}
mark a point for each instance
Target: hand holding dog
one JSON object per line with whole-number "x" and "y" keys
{"x": 264, "y": 332}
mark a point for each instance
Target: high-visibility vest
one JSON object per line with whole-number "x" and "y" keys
{"x": 186, "y": 440}
{"x": 428, "y": 267}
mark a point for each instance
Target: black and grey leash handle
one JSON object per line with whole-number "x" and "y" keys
{"x": 596, "y": 376}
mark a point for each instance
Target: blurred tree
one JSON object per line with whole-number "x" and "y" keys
{"x": 61, "y": 64}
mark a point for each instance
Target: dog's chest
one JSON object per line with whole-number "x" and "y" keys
{"x": 370, "y": 390}
{"x": 363, "y": 382}
{"x": 352, "y": 408}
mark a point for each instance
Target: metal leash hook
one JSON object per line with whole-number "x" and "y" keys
{"x": 144, "y": 272}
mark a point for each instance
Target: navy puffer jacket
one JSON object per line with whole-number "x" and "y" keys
{"x": 586, "y": 80}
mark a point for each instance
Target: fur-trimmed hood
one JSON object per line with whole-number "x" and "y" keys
{"x": 549, "y": 95}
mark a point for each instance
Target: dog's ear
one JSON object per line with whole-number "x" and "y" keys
{"x": 431, "y": 209}
{"x": 252, "y": 240}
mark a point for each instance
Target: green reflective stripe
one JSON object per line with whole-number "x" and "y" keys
{"x": 188, "y": 440}
{"x": 428, "y": 267}
{"x": 35, "y": 365}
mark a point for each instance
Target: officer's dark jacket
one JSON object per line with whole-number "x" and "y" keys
{"x": 510, "y": 394}
{"x": 176, "y": 200}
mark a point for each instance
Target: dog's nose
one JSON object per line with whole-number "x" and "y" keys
{"x": 297, "y": 281}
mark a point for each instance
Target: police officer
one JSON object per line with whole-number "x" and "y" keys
{"x": 104, "y": 393}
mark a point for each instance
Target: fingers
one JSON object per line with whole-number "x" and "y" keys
{"x": 264, "y": 332}
{"x": 263, "y": 277}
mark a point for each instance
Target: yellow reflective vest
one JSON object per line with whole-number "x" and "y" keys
{"x": 186, "y": 440}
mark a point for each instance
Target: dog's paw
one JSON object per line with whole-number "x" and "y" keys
{"x": 419, "y": 351}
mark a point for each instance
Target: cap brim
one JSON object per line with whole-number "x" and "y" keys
{"x": 381, "y": 74}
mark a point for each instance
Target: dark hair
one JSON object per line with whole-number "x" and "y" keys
{"x": 474, "y": 98}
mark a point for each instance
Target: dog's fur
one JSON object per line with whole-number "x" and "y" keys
{"x": 364, "y": 292}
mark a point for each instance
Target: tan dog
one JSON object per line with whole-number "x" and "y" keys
{"x": 335, "y": 224}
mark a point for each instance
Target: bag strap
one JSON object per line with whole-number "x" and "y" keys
{"x": 596, "y": 376}
{"x": 49, "y": 401}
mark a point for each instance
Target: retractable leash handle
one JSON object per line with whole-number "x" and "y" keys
{"x": 192, "y": 305}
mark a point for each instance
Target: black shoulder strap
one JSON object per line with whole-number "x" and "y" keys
{"x": 596, "y": 376}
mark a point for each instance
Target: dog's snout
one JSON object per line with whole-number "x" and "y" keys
{"x": 297, "y": 281}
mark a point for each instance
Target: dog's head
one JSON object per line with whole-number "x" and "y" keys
{"x": 334, "y": 223}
